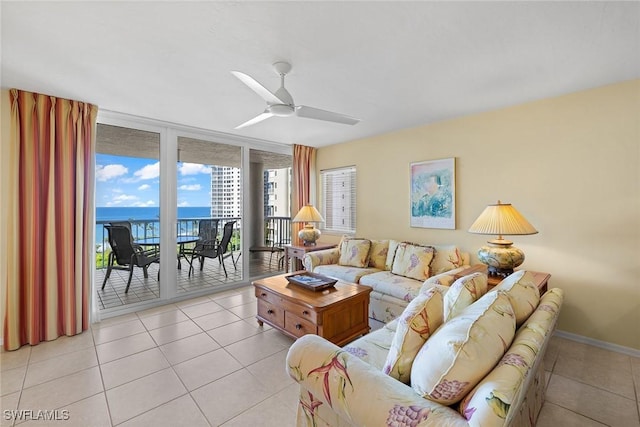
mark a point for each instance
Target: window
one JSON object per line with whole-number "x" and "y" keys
{"x": 338, "y": 199}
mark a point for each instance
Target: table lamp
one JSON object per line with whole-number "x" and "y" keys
{"x": 309, "y": 215}
{"x": 501, "y": 219}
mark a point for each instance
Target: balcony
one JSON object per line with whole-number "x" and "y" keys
{"x": 264, "y": 259}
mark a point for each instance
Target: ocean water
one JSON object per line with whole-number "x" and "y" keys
{"x": 150, "y": 214}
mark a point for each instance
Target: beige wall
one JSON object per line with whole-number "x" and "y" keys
{"x": 570, "y": 165}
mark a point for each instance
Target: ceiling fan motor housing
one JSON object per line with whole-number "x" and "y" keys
{"x": 280, "y": 110}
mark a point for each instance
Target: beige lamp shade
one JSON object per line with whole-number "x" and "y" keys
{"x": 309, "y": 234}
{"x": 501, "y": 219}
{"x": 308, "y": 214}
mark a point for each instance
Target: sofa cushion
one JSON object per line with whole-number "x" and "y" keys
{"x": 523, "y": 293}
{"x": 385, "y": 308}
{"x": 378, "y": 253}
{"x": 385, "y": 282}
{"x": 492, "y": 398}
{"x": 464, "y": 292}
{"x": 354, "y": 252}
{"x": 463, "y": 350}
{"x": 446, "y": 258}
{"x": 417, "y": 322}
{"x": 413, "y": 261}
{"x": 373, "y": 347}
{"x": 343, "y": 272}
{"x": 391, "y": 254}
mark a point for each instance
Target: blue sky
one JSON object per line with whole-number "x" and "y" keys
{"x": 133, "y": 181}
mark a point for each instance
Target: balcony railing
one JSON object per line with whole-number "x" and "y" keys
{"x": 277, "y": 231}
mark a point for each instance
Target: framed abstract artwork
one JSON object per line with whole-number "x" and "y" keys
{"x": 433, "y": 194}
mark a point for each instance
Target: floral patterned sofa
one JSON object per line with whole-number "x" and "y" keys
{"x": 457, "y": 356}
{"x": 395, "y": 270}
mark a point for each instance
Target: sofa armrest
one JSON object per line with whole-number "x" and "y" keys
{"x": 356, "y": 391}
{"x": 324, "y": 257}
{"x": 448, "y": 277}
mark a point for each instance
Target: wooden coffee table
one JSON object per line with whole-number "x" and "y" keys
{"x": 338, "y": 314}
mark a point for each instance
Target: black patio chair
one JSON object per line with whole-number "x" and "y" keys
{"x": 213, "y": 249}
{"x": 207, "y": 232}
{"x": 125, "y": 255}
{"x": 276, "y": 244}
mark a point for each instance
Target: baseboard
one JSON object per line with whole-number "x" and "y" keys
{"x": 597, "y": 343}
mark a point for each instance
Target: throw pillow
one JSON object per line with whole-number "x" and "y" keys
{"x": 417, "y": 322}
{"x": 391, "y": 254}
{"x": 463, "y": 350}
{"x": 413, "y": 261}
{"x": 447, "y": 258}
{"x": 354, "y": 252}
{"x": 378, "y": 253}
{"x": 523, "y": 293}
{"x": 464, "y": 292}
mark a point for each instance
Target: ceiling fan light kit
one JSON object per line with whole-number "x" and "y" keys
{"x": 280, "y": 103}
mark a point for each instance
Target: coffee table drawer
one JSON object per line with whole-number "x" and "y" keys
{"x": 271, "y": 313}
{"x": 301, "y": 311}
{"x": 298, "y": 326}
{"x": 270, "y": 297}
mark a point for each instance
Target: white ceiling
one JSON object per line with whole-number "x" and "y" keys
{"x": 394, "y": 65}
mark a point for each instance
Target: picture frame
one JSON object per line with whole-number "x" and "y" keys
{"x": 433, "y": 194}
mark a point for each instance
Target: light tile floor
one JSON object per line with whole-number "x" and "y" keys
{"x": 206, "y": 362}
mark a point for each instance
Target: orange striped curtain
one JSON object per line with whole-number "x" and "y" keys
{"x": 49, "y": 248}
{"x": 304, "y": 164}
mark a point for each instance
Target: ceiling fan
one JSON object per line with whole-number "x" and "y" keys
{"x": 281, "y": 103}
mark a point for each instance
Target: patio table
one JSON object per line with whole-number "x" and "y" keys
{"x": 180, "y": 240}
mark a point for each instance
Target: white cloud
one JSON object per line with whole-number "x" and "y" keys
{"x": 118, "y": 200}
{"x": 145, "y": 204}
{"x": 193, "y": 169}
{"x": 193, "y": 187}
{"x": 183, "y": 204}
{"x": 148, "y": 172}
{"x": 105, "y": 173}
{"x": 144, "y": 187}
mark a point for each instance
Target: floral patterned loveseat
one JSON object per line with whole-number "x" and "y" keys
{"x": 483, "y": 366}
{"x": 395, "y": 270}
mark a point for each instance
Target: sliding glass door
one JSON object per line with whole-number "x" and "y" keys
{"x": 209, "y": 215}
{"x": 127, "y": 194}
{"x": 270, "y": 206}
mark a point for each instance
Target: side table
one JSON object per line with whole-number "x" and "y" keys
{"x": 298, "y": 251}
{"x": 541, "y": 279}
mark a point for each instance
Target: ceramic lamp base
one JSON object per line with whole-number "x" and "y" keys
{"x": 309, "y": 234}
{"x": 501, "y": 259}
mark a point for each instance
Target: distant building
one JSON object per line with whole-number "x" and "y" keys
{"x": 226, "y": 192}
{"x": 277, "y": 192}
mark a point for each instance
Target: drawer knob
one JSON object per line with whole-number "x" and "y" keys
{"x": 270, "y": 311}
{"x": 306, "y": 313}
{"x": 298, "y": 326}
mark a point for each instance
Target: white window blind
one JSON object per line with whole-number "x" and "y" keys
{"x": 338, "y": 199}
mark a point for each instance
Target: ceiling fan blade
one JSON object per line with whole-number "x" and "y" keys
{"x": 316, "y": 113}
{"x": 256, "y": 119}
{"x": 258, "y": 88}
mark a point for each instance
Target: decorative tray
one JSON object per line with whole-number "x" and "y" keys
{"x": 313, "y": 281}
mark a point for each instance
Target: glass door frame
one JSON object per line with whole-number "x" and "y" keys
{"x": 169, "y": 133}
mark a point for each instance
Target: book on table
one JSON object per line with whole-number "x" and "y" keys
{"x": 311, "y": 281}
